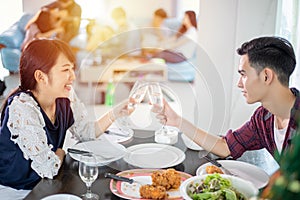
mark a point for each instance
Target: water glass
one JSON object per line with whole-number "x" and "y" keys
{"x": 88, "y": 172}
{"x": 137, "y": 93}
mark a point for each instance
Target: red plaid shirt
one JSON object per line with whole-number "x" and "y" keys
{"x": 258, "y": 133}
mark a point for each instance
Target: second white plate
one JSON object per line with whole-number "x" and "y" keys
{"x": 61, "y": 197}
{"x": 153, "y": 155}
{"x": 104, "y": 150}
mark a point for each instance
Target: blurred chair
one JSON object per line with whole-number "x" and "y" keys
{"x": 10, "y": 43}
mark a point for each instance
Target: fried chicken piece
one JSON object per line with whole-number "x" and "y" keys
{"x": 213, "y": 169}
{"x": 153, "y": 192}
{"x": 170, "y": 179}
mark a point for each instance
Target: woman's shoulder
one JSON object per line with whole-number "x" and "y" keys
{"x": 22, "y": 97}
{"x": 23, "y": 109}
{"x": 23, "y": 102}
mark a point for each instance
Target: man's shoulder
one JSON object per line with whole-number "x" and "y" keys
{"x": 262, "y": 113}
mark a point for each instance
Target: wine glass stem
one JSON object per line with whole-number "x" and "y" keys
{"x": 88, "y": 188}
{"x": 164, "y": 124}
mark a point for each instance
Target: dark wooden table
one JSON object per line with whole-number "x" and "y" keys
{"x": 68, "y": 180}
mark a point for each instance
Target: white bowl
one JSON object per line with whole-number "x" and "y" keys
{"x": 190, "y": 144}
{"x": 245, "y": 187}
{"x": 61, "y": 197}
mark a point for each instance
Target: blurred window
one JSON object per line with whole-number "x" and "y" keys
{"x": 288, "y": 26}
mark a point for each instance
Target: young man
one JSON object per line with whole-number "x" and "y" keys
{"x": 265, "y": 66}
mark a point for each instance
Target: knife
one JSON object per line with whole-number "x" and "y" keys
{"x": 118, "y": 178}
{"x": 115, "y": 133}
{"x": 77, "y": 151}
{"x": 216, "y": 163}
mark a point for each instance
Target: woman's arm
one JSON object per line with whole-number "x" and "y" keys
{"x": 175, "y": 42}
{"x": 26, "y": 125}
{"x": 108, "y": 118}
{"x": 85, "y": 127}
{"x": 61, "y": 154}
{"x": 50, "y": 33}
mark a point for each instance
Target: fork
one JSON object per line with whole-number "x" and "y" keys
{"x": 216, "y": 163}
{"x": 77, "y": 151}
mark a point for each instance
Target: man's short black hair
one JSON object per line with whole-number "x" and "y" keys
{"x": 275, "y": 53}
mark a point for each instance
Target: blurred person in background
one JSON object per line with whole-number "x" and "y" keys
{"x": 47, "y": 23}
{"x": 183, "y": 45}
{"x": 71, "y": 17}
{"x": 155, "y": 32}
{"x": 127, "y": 37}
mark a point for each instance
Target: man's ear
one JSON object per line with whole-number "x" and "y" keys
{"x": 269, "y": 75}
{"x": 40, "y": 76}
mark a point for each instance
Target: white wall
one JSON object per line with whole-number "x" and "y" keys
{"x": 11, "y": 8}
{"x": 32, "y": 6}
{"x": 253, "y": 21}
{"x": 224, "y": 25}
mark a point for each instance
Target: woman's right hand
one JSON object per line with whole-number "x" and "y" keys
{"x": 167, "y": 115}
{"x": 121, "y": 110}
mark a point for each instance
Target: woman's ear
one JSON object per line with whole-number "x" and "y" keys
{"x": 40, "y": 76}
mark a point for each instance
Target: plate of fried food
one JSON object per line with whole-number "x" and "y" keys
{"x": 240, "y": 169}
{"x": 149, "y": 184}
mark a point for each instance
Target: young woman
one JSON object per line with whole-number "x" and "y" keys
{"x": 36, "y": 116}
{"x": 183, "y": 45}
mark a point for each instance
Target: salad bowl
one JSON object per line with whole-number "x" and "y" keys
{"x": 216, "y": 186}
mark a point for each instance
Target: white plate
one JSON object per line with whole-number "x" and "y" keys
{"x": 105, "y": 151}
{"x": 61, "y": 197}
{"x": 117, "y": 138}
{"x": 190, "y": 143}
{"x": 142, "y": 176}
{"x": 153, "y": 155}
{"x": 243, "y": 170}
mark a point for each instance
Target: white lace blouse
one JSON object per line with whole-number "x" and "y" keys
{"x": 26, "y": 124}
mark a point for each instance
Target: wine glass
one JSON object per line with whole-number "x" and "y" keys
{"x": 156, "y": 98}
{"x": 136, "y": 95}
{"x": 88, "y": 172}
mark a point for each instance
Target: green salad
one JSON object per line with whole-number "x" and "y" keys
{"x": 214, "y": 187}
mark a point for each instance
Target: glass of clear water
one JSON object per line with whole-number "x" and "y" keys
{"x": 137, "y": 93}
{"x": 88, "y": 172}
{"x": 136, "y": 96}
{"x": 156, "y": 99}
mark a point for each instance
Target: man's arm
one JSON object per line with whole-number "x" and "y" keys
{"x": 209, "y": 142}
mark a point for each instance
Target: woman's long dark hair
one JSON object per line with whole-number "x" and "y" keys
{"x": 39, "y": 54}
{"x": 192, "y": 16}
